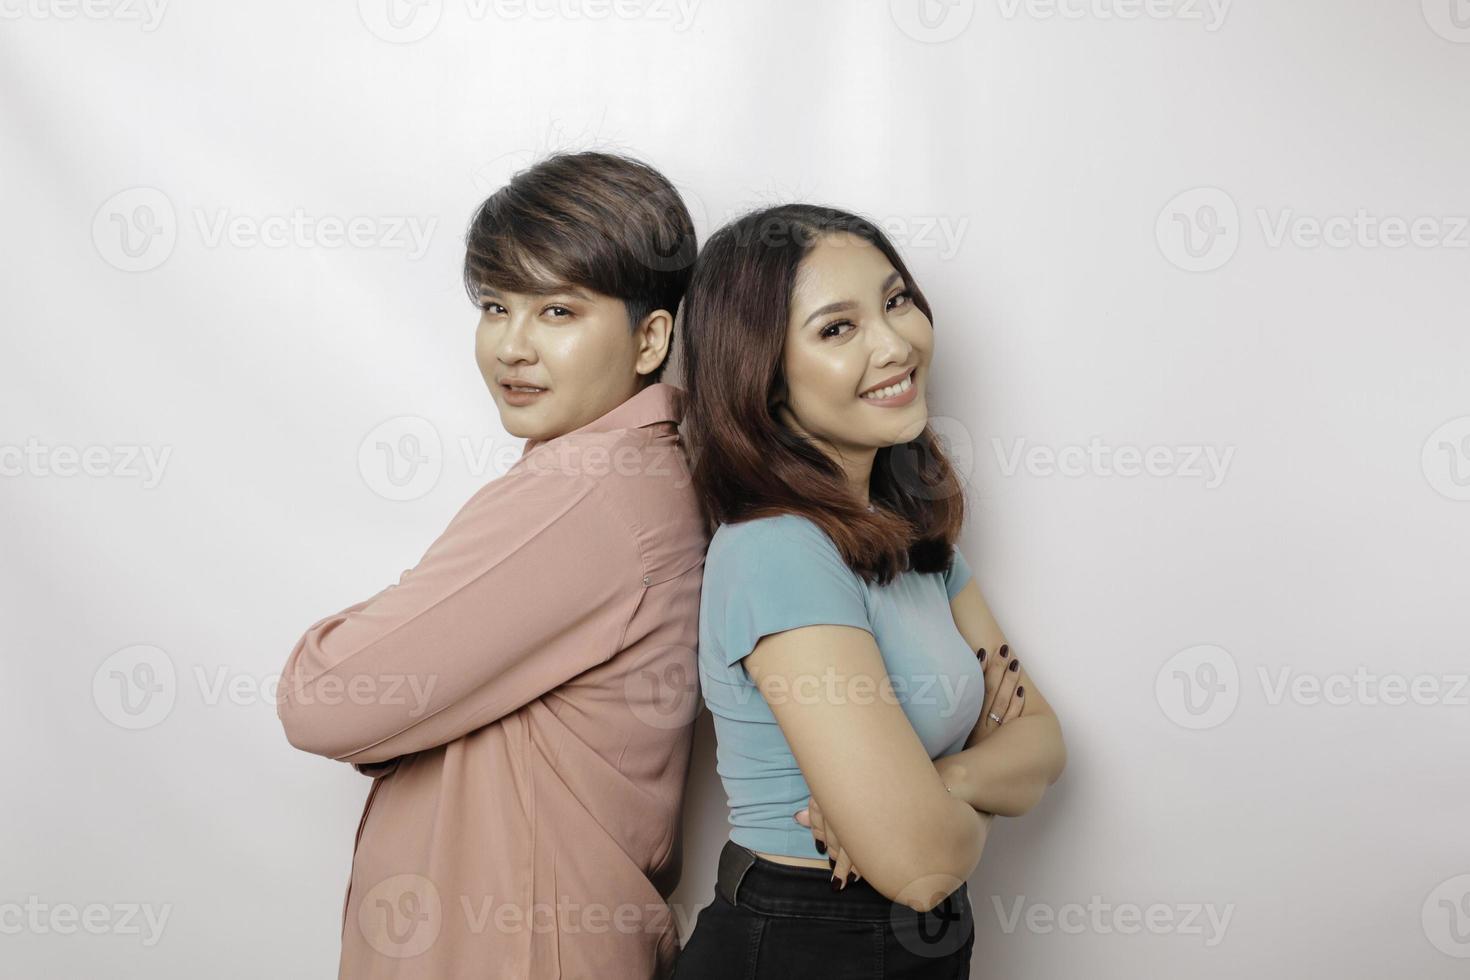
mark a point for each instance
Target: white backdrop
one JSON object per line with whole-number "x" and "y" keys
{"x": 1199, "y": 279}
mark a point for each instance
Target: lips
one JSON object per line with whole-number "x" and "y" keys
{"x": 884, "y": 384}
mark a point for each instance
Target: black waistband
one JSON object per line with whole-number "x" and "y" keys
{"x": 750, "y": 881}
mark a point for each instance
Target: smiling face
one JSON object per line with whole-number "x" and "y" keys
{"x": 853, "y": 328}
{"x": 575, "y": 345}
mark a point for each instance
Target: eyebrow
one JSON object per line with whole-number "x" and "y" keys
{"x": 848, "y": 304}
{"x": 565, "y": 290}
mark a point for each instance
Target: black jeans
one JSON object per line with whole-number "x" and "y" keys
{"x": 772, "y": 920}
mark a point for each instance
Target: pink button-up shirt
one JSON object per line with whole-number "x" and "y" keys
{"x": 524, "y": 697}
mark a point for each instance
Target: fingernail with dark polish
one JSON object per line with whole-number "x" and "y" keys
{"x": 851, "y": 877}
{"x": 836, "y": 884}
{"x": 1021, "y": 691}
{"x": 981, "y": 654}
{"x": 1005, "y": 650}
{"x": 821, "y": 847}
{"x": 1015, "y": 665}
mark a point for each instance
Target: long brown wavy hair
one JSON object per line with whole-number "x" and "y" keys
{"x": 747, "y": 462}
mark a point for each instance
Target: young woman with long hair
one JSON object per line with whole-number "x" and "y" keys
{"x": 869, "y": 715}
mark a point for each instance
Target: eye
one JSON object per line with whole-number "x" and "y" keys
{"x": 490, "y": 306}
{"x": 836, "y": 323}
{"x": 903, "y": 294}
{"x": 563, "y": 309}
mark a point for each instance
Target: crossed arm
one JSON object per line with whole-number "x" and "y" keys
{"x": 880, "y": 794}
{"x": 1006, "y": 769}
{"x": 504, "y": 606}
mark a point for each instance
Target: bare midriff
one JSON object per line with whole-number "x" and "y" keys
{"x": 798, "y": 862}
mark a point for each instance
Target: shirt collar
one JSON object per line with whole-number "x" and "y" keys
{"x": 660, "y": 402}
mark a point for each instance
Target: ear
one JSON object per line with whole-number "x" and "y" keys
{"x": 653, "y": 337}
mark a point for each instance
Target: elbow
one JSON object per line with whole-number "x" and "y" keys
{"x": 1059, "y": 753}
{"x": 925, "y": 886}
{"x": 312, "y": 725}
{"x": 306, "y": 729}
{"x": 922, "y": 877}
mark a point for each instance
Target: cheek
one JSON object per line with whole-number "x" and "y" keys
{"x": 825, "y": 383}
{"x": 567, "y": 355}
{"x": 485, "y": 349}
{"x": 922, "y": 335}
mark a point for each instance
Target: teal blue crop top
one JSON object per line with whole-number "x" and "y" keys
{"x": 778, "y": 573}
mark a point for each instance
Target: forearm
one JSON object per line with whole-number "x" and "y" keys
{"x": 1007, "y": 772}
{"x": 962, "y": 842}
{"x": 973, "y": 833}
{"x": 501, "y": 609}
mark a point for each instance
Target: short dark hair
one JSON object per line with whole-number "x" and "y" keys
{"x": 600, "y": 220}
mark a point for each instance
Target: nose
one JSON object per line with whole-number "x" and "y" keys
{"x": 514, "y": 343}
{"x": 890, "y": 346}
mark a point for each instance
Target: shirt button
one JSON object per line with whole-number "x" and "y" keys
{"x": 648, "y": 580}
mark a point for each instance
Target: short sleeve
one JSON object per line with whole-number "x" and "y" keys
{"x": 775, "y": 574}
{"x": 957, "y": 576}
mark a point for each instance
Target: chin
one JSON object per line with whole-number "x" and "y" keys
{"x": 914, "y": 429}
{"x": 515, "y": 426}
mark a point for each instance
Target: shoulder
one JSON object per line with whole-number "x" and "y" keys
{"x": 770, "y": 538}
{"x": 639, "y": 478}
{"x": 773, "y": 574}
{"x": 783, "y": 552}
